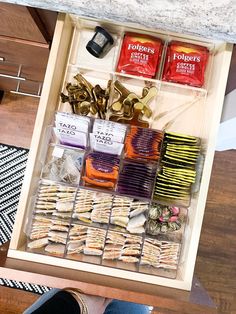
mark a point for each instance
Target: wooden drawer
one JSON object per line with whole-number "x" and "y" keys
{"x": 25, "y": 37}
{"x": 200, "y": 121}
{"x": 24, "y": 88}
{"x": 18, "y": 21}
{"x": 19, "y": 71}
{"x": 32, "y": 58}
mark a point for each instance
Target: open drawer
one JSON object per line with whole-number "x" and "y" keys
{"x": 200, "y": 120}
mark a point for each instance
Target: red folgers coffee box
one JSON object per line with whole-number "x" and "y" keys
{"x": 185, "y": 63}
{"x": 140, "y": 55}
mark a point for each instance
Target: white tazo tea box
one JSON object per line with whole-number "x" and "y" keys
{"x": 72, "y": 122}
{"x": 107, "y": 137}
{"x": 72, "y": 129}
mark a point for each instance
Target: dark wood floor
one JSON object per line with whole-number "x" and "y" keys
{"x": 17, "y": 117}
{"x": 216, "y": 260}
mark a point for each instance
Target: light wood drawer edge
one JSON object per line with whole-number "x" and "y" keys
{"x": 47, "y": 105}
{"x": 164, "y": 298}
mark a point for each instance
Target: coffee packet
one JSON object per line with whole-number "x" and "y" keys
{"x": 140, "y": 55}
{"x": 185, "y": 63}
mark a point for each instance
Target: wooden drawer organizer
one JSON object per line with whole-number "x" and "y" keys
{"x": 67, "y": 57}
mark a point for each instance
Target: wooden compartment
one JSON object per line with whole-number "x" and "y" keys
{"x": 201, "y": 119}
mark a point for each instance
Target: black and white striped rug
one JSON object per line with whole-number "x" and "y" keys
{"x": 12, "y": 167}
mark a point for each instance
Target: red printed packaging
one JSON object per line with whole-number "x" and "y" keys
{"x": 185, "y": 63}
{"x": 140, "y": 55}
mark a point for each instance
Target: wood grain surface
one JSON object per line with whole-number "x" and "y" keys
{"x": 17, "y": 117}
{"x": 14, "y": 301}
{"x": 216, "y": 261}
{"x": 16, "y": 21}
{"x": 27, "y": 23}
